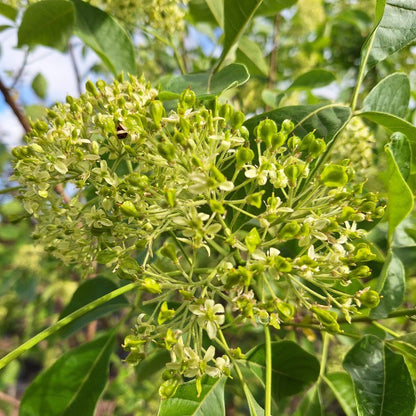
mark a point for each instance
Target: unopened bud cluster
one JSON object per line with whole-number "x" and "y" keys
{"x": 217, "y": 227}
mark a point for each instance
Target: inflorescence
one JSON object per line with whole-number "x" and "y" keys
{"x": 218, "y": 227}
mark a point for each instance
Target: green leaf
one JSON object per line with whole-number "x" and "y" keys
{"x": 326, "y": 120}
{"x": 8, "y": 11}
{"x": 237, "y": 15}
{"x": 49, "y": 23}
{"x": 73, "y": 384}
{"x": 106, "y": 37}
{"x": 293, "y": 369}
{"x": 272, "y": 7}
{"x": 400, "y": 197}
{"x": 382, "y": 382}
{"x": 391, "y": 286}
{"x": 217, "y": 9}
{"x": 310, "y": 405}
{"x": 395, "y": 30}
{"x": 40, "y": 86}
{"x": 342, "y": 387}
{"x": 402, "y": 153}
{"x": 250, "y": 54}
{"x": 315, "y": 78}
{"x": 392, "y": 123}
{"x": 254, "y": 408}
{"x": 4, "y": 27}
{"x": 210, "y": 11}
{"x": 186, "y": 402}
{"x": 87, "y": 292}
{"x": 391, "y": 95}
{"x": 406, "y": 345}
{"x": 229, "y": 77}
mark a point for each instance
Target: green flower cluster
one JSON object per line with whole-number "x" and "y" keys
{"x": 165, "y": 16}
{"x": 217, "y": 227}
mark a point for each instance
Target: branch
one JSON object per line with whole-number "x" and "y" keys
{"x": 13, "y": 105}
{"x": 75, "y": 67}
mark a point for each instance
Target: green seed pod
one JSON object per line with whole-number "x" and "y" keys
{"x": 157, "y": 111}
{"x": 369, "y": 299}
{"x": 286, "y": 311}
{"x": 278, "y": 140}
{"x": 100, "y": 84}
{"x": 132, "y": 342}
{"x": 359, "y": 272}
{"x": 187, "y": 99}
{"x": 287, "y": 126}
{"x": 368, "y": 206}
{"x": 216, "y": 206}
{"x": 225, "y": 111}
{"x": 150, "y": 285}
{"x": 237, "y": 119}
{"x": 242, "y": 156}
{"x": 293, "y": 142}
{"x": 216, "y": 174}
{"x": 245, "y": 134}
{"x": 282, "y": 264}
{"x": 255, "y": 199}
{"x": 307, "y": 141}
{"x": 316, "y": 148}
{"x": 179, "y": 138}
{"x": 129, "y": 209}
{"x": 326, "y": 318}
{"x": 289, "y": 230}
{"x": 334, "y": 176}
{"x": 168, "y": 388}
{"x": 252, "y": 240}
{"x": 292, "y": 173}
{"x": 347, "y": 214}
{"x": 167, "y": 150}
{"x": 90, "y": 87}
{"x": 170, "y": 195}
{"x": 265, "y": 130}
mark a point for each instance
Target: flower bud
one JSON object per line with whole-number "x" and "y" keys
{"x": 216, "y": 206}
{"x": 252, "y": 240}
{"x": 255, "y": 199}
{"x": 265, "y": 130}
{"x": 187, "y": 99}
{"x": 369, "y": 299}
{"x": 167, "y": 151}
{"x": 243, "y": 155}
{"x": 157, "y": 111}
{"x": 129, "y": 209}
{"x": 289, "y": 230}
{"x": 237, "y": 119}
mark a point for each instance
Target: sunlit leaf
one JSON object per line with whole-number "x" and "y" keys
{"x": 8, "y": 11}
{"x": 391, "y": 95}
{"x": 186, "y": 401}
{"x": 400, "y": 197}
{"x": 40, "y": 85}
{"x": 313, "y": 79}
{"x": 203, "y": 84}
{"x": 105, "y": 36}
{"x": 250, "y": 54}
{"x": 49, "y": 23}
{"x": 73, "y": 384}
{"x": 382, "y": 382}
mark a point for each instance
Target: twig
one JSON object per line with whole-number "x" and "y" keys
{"x": 21, "y": 69}
{"x": 13, "y": 105}
{"x": 9, "y": 399}
{"x": 75, "y": 67}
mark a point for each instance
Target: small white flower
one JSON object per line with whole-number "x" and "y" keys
{"x": 210, "y": 316}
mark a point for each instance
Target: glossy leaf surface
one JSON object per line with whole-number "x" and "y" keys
{"x": 391, "y": 286}
{"x": 87, "y": 292}
{"x": 391, "y": 95}
{"x": 73, "y": 384}
{"x": 293, "y": 369}
{"x": 106, "y": 37}
{"x": 48, "y": 23}
{"x": 315, "y": 78}
{"x": 342, "y": 388}
{"x": 382, "y": 382}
